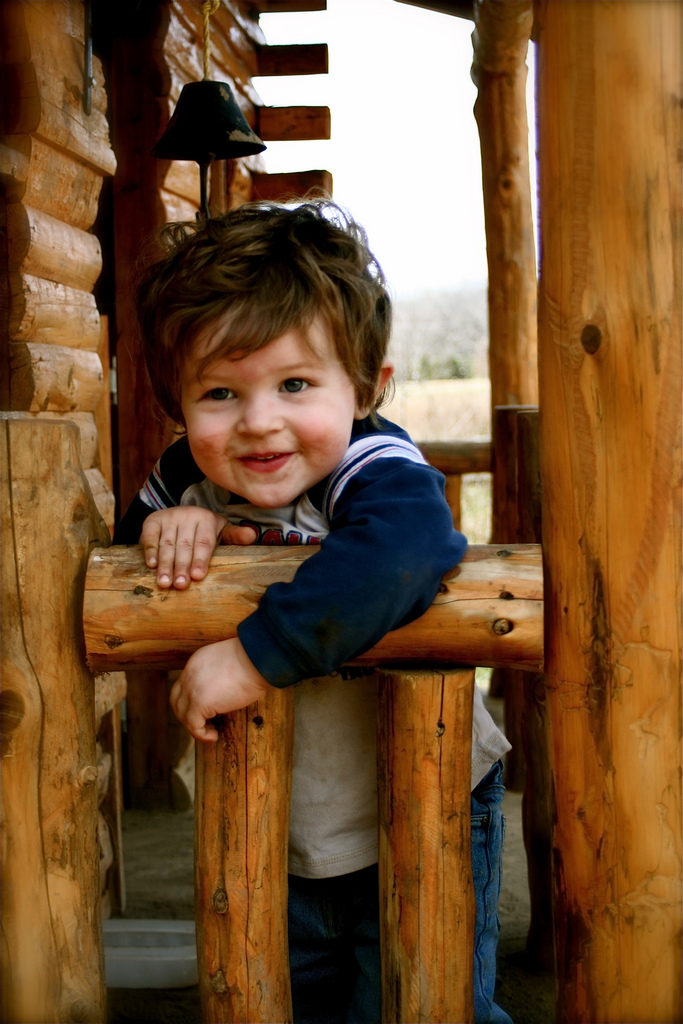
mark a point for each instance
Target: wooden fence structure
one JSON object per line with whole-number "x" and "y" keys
{"x": 489, "y": 611}
{"x": 610, "y": 353}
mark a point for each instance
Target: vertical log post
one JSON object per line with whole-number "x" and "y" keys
{"x": 508, "y": 682}
{"x": 243, "y": 787}
{"x": 52, "y": 960}
{"x": 610, "y": 347}
{"x": 537, "y": 798}
{"x": 425, "y": 862}
{"x": 501, "y": 41}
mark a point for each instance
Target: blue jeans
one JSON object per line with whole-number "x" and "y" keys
{"x": 334, "y": 951}
{"x": 488, "y": 834}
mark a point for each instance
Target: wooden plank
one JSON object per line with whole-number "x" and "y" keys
{"x": 537, "y": 804}
{"x": 241, "y": 837}
{"x": 233, "y": 55}
{"x": 109, "y": 734}
{"x": 293, "y": 59}
{"x": 103, "y": 496}
{"x": 175, "y": 208}
{"x": 14, "y": 166}
{"x": 44, "y": 247}
{"x": 290, "y": 185}
{"x": 110, "y": 690}
{"x": 507, "y": 682}
{"x": 293, "y": 124}
{"x": 51, "y": 105}
{"x": 489, "y": 610}
{"x": 50, "y": 313}
{"x": 425, "y": 862}
{"x": 149, "y": 759}
{"x": 459, "y": 8}
{"x": 103, "y": 409}
{"x": 49, "y": 878}
{"x": 182, "y": 178}
{"x": 57, "y": 182}
{"x": 88, "y": 439}
{"x": 289, "y": 6}
{"x": 54, "y": 378}
{"x": 610, "y": 348}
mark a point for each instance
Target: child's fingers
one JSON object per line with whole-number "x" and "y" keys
{"x": 204, "y": 545}
{"x": 149, "y": 538}
{"x": 184, "y": 554}
{"x": 179, "y": 543}
{"x": 242, "y": 535}
{"x": 189, "y": 713}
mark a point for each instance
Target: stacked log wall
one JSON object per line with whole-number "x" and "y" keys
{"x": 54, "y": 160}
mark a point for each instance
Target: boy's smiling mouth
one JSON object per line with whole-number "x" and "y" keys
{"x": 265, "y": 463}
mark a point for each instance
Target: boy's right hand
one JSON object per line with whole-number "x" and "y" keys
{"x": 179, "y": 542}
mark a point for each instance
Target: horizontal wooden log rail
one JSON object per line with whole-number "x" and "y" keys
{"x": 458, "y": 457}
{"x": 281, "y": 187}
{"x": 489, "y": 610}
{"x": 293, "y": 59}
{"x": 293, "y": 124}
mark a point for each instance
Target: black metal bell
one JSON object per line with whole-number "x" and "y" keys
{"x": 207, "y": 125}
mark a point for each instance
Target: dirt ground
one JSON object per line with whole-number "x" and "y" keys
{"x": 158, "y": 862}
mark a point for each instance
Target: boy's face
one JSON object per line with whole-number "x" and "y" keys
{"x": 272, "y": 424}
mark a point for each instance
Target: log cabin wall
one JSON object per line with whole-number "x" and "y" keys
{"x": 54, "y": 159}
{"x": 55, "y": 156}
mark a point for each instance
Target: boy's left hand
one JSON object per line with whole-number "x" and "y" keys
{"x": 217, "y": 679}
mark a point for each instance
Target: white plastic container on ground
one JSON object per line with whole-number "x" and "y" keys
{"x": 149, "y": 953}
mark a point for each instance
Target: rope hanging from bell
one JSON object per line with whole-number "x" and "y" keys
{"x": 207, "y": 123}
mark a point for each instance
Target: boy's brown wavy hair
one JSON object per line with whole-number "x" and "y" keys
{"x": 245, "y": 278}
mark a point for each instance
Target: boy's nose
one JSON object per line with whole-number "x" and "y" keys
{"x": 259, "y": 416}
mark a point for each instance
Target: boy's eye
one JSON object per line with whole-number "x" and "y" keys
{"x": 294, "y": 384}
{"x": 219, "y": 394}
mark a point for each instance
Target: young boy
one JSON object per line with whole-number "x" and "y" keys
{"x": 265, "y": 335}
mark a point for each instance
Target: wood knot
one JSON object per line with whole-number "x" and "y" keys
{"x": 87, "y": 775}
{"x": 112, "y": 641}
{"x": 591, "y": 339}
{"x": 505, "y": 595}
{"x": 440, "y": 728}
{"x": 502, "y": 626}
{"x": 218, "y": 983}
{"x": 141, "y": 591}
{"x": 220, "y": 901}
{"x": 258, "y": 721}
{"x": 503, "y": 553}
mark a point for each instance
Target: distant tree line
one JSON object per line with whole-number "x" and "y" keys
{"x": 441, "y": 335}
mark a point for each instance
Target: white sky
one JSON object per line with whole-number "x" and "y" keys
{"x": 404, "y": 150}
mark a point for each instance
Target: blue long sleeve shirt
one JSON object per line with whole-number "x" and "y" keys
{"x": 386, "y": 540}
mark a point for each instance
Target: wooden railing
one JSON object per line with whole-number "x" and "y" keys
{"x": 489, "y": 612}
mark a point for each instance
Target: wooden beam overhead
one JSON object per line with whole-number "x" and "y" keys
{"x": 288, "y": 6}
{"x": 459, "y": 8}
{"x": 295, "y": 59}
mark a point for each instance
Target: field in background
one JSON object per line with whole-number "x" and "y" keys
{"x": 442, "y": 410}
{"x": 447, "y": 410}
